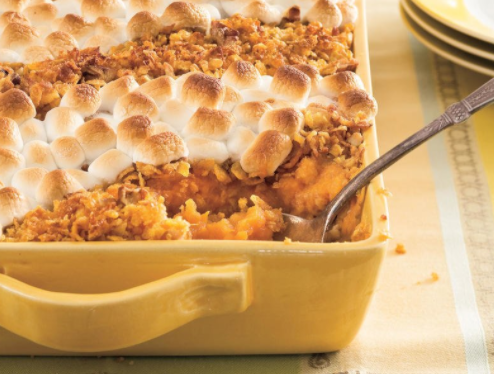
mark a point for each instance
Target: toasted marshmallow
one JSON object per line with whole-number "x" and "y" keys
{"x": 113, "y": 28}
{"x": 62, "y": 121}
{"x": 56, "y": 185}
{"x": 10, "y": 162}
{"x": 38, "y": 155}
{"x": 109, "y": 118}
{"x": 112, "y": 91}
{"x": 96, "y": 137}
{"x": 278, "y": 104}
{"x": 291, "y": 84}
{"x": 204, "y": 148}
{"x": 349, "y": 11}
{"x": 200, "y": 89}
{"x": 67, "y": 7}
{"x": 286, "y": 120}
{"x": 27, "y": 180}
{"x": 210, "y": 123}
{"x": 109, "y": 165}
{"x": 12, "y": 17}
{"x": 291, "y": 3}
{"x": 160, "y": 126}
{"x": 36, "y": 53}
{"x": 77, "y": 27}
{"x": 33, "y": 129}
{"x": 83, "y": 98}
{"x": 161, "y": 149}
{"x": 266, "y": 153}
{"x": 213, "y": 11}
{"x": 232, "y": 6}
{"x": 312, "y": 73}
{"x": 103, "y": 42}
{"x": 58, "y": 42}
{"x": 180, "y": 80}
{"x": 87, "y": 180}
{"x": 357, "y": 103}
{"x": 176, "y": 113}
{"x": 320, "y": 99}
{"x": 266, "y": 82}
{"x": 67, "y": 152}
{"x": 41, "y": 15}
{"x": 13, "y": 5}
{"x": 250, "y": 113}
{"x": 92, "y": 9}
{"x": 240, "y": 139}
{"x": 133, "y": 104}
{"x": 261, "y": 10}
{"x": 160, "y": 89}
{"x": 152, "y": 6}
{"x": 15, "y": 104}
{"x": 9, "y": 56}
{"x": 132, "y": 131}
{"x": 242, "y": 75}
{"x": 232, "y": 99}
{"x": 336, "y": 84}
{"x": 13, "y": 205}
{"x": 326, "y": 12}
{"x": 182, "y": 15}
{"x": 18, "y": 37}
{"x": 256, "y": 95}
{"x": 143, "y": 24}
{"x": 10, "y": 136}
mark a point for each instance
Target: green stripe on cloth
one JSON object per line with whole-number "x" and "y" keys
{"x": 454, "y": 242}
{"x": 155, "y": 365}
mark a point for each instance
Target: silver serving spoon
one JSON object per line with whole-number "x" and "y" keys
{"x": 314, "y": 230}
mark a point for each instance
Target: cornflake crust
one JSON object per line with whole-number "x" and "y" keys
{"x": 259, "y": 135}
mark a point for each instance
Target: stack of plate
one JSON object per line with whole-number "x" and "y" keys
{"x": 461, "y": 31}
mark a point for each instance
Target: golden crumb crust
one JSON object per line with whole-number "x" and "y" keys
{"x": 178, "y": 52}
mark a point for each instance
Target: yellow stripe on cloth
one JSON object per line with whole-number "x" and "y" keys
{"x": 484, "y": 128}
{"x": 483, "y": 123}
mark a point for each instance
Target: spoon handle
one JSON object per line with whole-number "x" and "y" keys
{"x": 456, "y": 113}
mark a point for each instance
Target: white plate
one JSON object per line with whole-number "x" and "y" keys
{"x": 446, "y": 34}
{"x": 471, "y": 17}
{"x": 445, "y": 50}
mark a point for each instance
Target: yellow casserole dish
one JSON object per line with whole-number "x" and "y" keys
{"x": 193, "y": 297}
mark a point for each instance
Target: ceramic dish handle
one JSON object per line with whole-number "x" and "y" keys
{"x": 104, "y": 322}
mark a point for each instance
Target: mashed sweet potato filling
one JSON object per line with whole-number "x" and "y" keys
{"x": 207, "y": 200}
{"x": 129, "y": 212}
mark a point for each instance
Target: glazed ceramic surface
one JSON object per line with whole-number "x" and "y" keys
{"x": 193, "y": 297}
{"x": 471, "y": 17}
{"x": 447, "y": 51}
{"x": 446, "y": 34}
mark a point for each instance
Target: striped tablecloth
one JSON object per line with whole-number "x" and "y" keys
{"x": 442, "y": 212}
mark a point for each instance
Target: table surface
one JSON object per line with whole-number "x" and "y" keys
{"x": 441, "y": 211}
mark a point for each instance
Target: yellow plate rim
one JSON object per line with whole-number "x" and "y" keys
{"x": 457, "y": 18}
{"x": 447, "y": 51}
{"x": 447, "y": 34}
